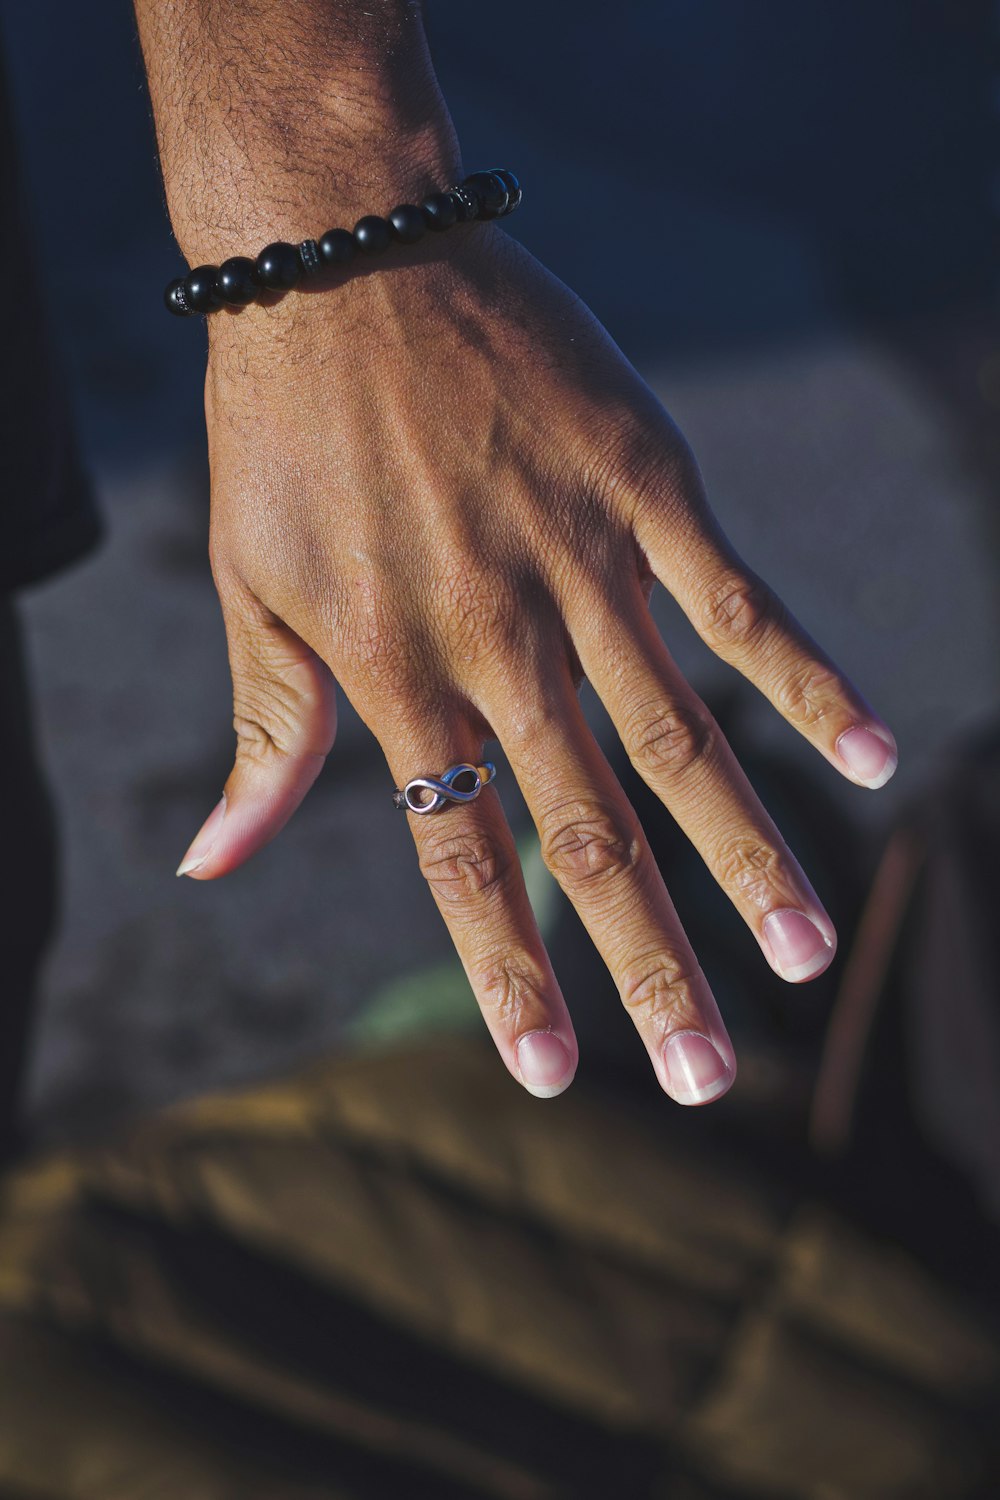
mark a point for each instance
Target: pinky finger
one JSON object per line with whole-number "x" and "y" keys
{"x": 746, "y": 624}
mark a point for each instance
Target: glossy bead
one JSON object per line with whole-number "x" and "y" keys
{"x": 201, "y": 288}
{"x": 278, "y": 266}
{"x": 512, "y": 185}
{"x": 372, "y": 234}
{"x": 174, "y": 299}
{"x": 493, "y": 195}
{"x": 238, "y": 281}
{"x": 439, "y": 211}
{"x": 338, "y": 247}
{"x": 466, "y": 201}
{"x": 407, "y": 223}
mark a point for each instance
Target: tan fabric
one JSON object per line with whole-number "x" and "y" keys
{"x": 401, "y": 1276}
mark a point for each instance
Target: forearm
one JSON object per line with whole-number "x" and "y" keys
{"x": 273, "y": 116}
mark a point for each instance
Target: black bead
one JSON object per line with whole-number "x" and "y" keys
{"x": 467, "y": 203}
{"x": 238, "y": 283}
{"x": 201, "y": 288}
{"x": 278, "y": 266}
{"x": 439, "y": 211}
{"x": 493, "y": 195}
{"x": 174, "y": 299}
{"x": 338, "y": 247}
{"x": 372, "y": 234}
{"x": 510, "y": 182}
{"x": 407, "y": 223}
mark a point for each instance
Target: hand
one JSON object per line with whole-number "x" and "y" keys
{"x": 443, "y": 485}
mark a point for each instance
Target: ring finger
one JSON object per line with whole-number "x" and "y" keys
{"x": 468, "y": 857}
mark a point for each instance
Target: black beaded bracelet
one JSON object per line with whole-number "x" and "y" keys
{"x": 481, "y": 195}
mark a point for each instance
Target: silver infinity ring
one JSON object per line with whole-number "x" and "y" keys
{"x": 429, "y": 794}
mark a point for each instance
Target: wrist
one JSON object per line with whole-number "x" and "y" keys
{"x": 221, "y": 206}
{"x": 374, "y": 320}
{"x": 354, "y": 317}
{"x": 336, "y": 114}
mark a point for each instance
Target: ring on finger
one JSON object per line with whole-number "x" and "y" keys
{"x": 431, "y": 794}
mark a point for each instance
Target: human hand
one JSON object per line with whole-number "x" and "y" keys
{"x": 443, "y": 485}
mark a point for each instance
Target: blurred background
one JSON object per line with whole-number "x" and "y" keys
{"x": 814, "y": 298}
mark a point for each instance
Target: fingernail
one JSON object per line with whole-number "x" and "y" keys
{"x": 205, "y": 839}
{"x": 544, "y": 1064}
{"x": 798, "y": 948}
{"x": 869, "y": 758}
{"x": 696, "y": 1073}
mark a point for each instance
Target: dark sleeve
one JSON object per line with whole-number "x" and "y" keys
{"x": 47, "y": 513}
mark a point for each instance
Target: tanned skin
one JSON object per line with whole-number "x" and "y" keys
{"x": 438, "y": 482}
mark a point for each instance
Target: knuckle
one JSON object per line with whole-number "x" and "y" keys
{"x": 265, "y": 721}
{"x": 809, "y": 695}
{"x": 481, "y": 610}
{"x": 379, "y": 649}
{"x": 377, "y": 654}
{"x": 751, "y": 868}
{"x": 584, "y": 843}
{"x": 663, "y": 985}
{"x": 738, "y": 611}
{"x": 258, "y": 732}
{"x": 614, "y": 458}
{"x": 649, "y": 465}
{"x": 668, "y": 740}
{"x": 466, "y": 867}
{"x": 285, "y": 707}
{"x": 508, "y": 995}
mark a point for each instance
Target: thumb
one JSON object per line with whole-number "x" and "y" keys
{"x": 285, "y": 716}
